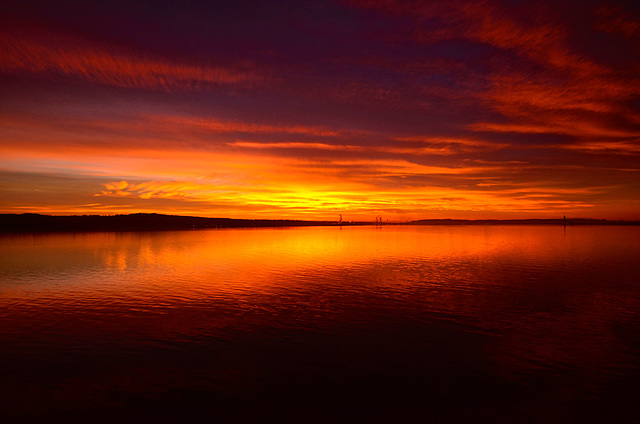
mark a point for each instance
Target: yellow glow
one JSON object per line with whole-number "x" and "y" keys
{"x": 254, "y": 179}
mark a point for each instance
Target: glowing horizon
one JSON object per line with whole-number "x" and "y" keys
{"x": 407, "y": 111}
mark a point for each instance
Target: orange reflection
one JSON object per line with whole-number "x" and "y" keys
{"x": 248, "y": 261}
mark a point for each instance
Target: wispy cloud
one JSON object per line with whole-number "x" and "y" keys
{"x": 46, "y": 53}
{"x": 228, "y": 126}
{"x": 539, "y": 81}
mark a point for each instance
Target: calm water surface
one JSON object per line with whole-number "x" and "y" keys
{"x": 359, "y": 324}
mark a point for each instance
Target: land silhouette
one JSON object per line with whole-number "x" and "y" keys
{"x": 28, "y": 222}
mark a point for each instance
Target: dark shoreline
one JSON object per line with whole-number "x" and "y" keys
{"x": 36, "y": 223}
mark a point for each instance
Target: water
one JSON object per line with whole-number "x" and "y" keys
{"x": 359, "y": 324}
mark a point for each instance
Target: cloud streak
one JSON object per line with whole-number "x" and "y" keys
{"x": 52, "y": 54}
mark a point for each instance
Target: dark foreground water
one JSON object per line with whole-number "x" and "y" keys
{"x": 395, "y": 324}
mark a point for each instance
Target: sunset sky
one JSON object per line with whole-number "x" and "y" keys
{"x": 308, "y": 110}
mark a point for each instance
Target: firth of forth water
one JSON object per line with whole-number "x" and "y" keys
{"x": 496, "y": 324}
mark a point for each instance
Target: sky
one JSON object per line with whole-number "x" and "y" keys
{"x": 315, "y": 109}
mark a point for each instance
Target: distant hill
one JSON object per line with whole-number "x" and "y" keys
{"x": 135, "y": 222}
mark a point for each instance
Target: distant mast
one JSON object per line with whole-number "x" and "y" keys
{"x": 564, "y": 220}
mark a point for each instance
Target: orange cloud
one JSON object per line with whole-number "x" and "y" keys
{"x": 559, "y": 126}
{"x": 297, "y": 145}
{"x": 216, "y": 125}
{"x": 431, "y": 149}
{"x": 355, "y": 201}
{"x": 133, "y": 131}
{"x": 454, "y": 145}
{"x": 611, "y": 146}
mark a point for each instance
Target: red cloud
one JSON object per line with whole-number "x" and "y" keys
{"x": 49, "y": 53}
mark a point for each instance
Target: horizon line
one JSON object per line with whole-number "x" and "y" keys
{"x": 157, "y": 221}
